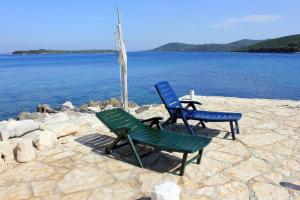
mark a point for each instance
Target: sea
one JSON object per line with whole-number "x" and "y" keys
{"x": 29, "y": 80}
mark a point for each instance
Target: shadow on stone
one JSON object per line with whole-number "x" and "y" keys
{"x": 157, "y": 160}
{"x": 202, "y": 132}
{"x": 289, "y": 185}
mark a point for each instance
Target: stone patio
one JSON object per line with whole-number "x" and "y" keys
{"x": 265, "y": 155}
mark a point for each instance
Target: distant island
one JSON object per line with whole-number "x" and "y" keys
{"x": 175, "y": 46}
{"x": 49, "y": 51}
{"x": 287, "y": 44}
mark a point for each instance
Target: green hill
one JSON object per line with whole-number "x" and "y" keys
{"x": 49, "y": 51}
{"x": 174, "y": 46}
{"x": 287, "y": 44}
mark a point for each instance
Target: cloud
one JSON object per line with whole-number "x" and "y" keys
{"x": 246, "y": 19}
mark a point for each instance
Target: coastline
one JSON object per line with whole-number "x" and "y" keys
{"x": 265, "y": 153}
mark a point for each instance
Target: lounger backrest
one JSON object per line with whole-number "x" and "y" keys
{"x": 167, "y": 95}
{"x": 117, "y": 118}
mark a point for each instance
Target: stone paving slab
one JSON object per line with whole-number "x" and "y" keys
{"x": 266, "y": 153}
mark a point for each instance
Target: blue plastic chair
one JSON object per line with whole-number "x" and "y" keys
{"x": 177, "y": 111}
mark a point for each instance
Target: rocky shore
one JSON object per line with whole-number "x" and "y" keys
{"x": 58, "y": 154}
{"x": 21, "y": 138}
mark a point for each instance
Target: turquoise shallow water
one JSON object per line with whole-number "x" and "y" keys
{"x": 28, "y": 80}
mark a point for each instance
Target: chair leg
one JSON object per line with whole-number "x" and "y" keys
{"x": 183, "y": 163}
{"x": 137, "y": 156}
{"x": 203, "y": 124}
{"x": 113, "y": 144}
{"x": 189, "y": 128}
{"x": 168, "y": 121}
{"x": 232, "y": 130}
{"x": 237, "y": 127}
{"x": 200, "y": 155}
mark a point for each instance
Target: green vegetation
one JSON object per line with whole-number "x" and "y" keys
{"x": 49, "y": 51}
{"x": 287, "y": 44}
{"x": 206, "y": 47}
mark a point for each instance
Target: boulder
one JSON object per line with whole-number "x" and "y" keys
{"x": 34, "y": 116}
{"x": 93, "y": 104}
{"x": 166, "y": 191}
{"x": 42, "y": 139}
{"x": 63, "y": 123}
{"x": 108, "y": 107}
{"x": 64, "y": 128}
{"x": 45, "y": 108}
{"x": 132, "y": 104}
{"x": 67, "y": 106}
{"x": 13, "y": 128}
{"x": 6, "y": 151}
{"x": 56, "y": 118}
{"x": 94, "y": 109}
{"x": 114, "y": 102}
{"x": 142, "y": 108}
{"x": 25, "y": 151}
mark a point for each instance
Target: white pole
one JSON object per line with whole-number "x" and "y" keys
{"x": 123, "y": 64}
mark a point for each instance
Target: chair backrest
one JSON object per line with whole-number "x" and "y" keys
{"x": 167, "y": 95}
{"x": 117, "y": 118}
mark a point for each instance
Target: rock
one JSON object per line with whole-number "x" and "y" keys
{"x": 93, "y": 104}
{"x": 63, "y": 124}
{"x": 6, "y": 151}
{"x": 56, "y": 118}
{"x": 64, "y": 128}
{"x": 34, "y": 116}
{"x": 25, "y": 151}
{"x": 45, "y": 108}
{"x": 113, "y": 102}
{"x": 67, "y": 106}
{"x": 12, "y": 128}
{"x": 166, "y": 191}
{"x": 94, "y": 109}
{"x": 142, "y": 108}
{"x": 132, "y": 104}
{"x": 42, "y": 139}
{"x": 97, "y": 106}
{"x": 108, "y": 107}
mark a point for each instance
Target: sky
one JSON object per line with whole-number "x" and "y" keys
{"x": 91, "y": 24}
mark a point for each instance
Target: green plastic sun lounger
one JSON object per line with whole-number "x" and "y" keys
{"x": 129, "y": 128}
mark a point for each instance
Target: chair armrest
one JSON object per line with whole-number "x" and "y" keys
{"x": 194, "y": 102}
{"x": 191, "y": 104}
{"x": 176, "y": 109}
{"x": 154, "y": 121}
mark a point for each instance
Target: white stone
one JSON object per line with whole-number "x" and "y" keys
{"x": 13, "y": 128}
{"x": 42, "y": 139}
{"x": 6, "y": 151}
{"x": 108, "y": 107}
{"x": 64, "y": 128}
{"x": 56, "y": 118}
{"x": 61, "y": 124}
{"x": 166, "y": 191}
{"x": 25, "y": 151}
{"x": 94, "y": 109}
{"x": 68, "y": 104}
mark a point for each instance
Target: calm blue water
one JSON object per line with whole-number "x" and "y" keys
{"x": 28, "y": 80}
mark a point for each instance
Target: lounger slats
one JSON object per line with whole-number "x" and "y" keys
{"x": 160, "y": 139}
{"x": 171, "y": 101}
